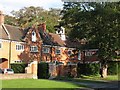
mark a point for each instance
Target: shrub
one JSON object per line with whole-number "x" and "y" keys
{"x": 43, "y": 70}
{"x": 88, "y": 69}
{"x": 113, "y": 68}
{"x": 18, "y": 67}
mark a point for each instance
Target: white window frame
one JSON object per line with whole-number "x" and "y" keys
{"x": 34, "y": 38}
{"x": 79, "y": 55}
{"x": 33, "y": 49}
{"x": 88, "y": 53}
{"x": 57, "y": 52}
{"x": 46, "y": 50}
{"x": 19, "y": 47}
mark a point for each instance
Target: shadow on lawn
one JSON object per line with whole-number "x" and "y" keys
{"x": 94, "y": 84}
{"x": 84, "y": 80}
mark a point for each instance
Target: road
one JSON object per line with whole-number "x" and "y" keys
{"x": 113, "y": 85}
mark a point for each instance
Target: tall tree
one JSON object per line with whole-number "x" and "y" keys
{"x": 28, "y": 16}
{"x": 99, "y": 23}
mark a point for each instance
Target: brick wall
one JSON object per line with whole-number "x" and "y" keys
{"x": 63, "y": 70}
{"x": 15, "y": 76}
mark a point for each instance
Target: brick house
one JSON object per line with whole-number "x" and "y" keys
{"x": 35, "y": 44}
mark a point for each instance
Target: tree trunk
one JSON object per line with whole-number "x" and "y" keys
{"x": 103, "y": 71}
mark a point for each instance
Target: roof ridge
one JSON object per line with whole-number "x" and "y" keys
{"x": 12, "y": 25}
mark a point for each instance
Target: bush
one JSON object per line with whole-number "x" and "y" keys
{"x": 113, "y": 68}
{"x": 18, "y": 67}
{"x": 43, "y": 70}
{"x": 88, "y": 69}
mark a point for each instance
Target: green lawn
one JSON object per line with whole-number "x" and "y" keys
{"x": 39, "y": 83}
{"x": 90, "y": 79}
{"x": 98, "y": 78}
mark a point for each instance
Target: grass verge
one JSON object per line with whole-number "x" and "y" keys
{"x": 90, "y": 79}
{"x": 39, "y": 83}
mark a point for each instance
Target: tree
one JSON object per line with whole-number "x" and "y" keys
{"x": 28, "y": 16}
{"x": 99, "y": 23}
{"x": 10, "y": 20}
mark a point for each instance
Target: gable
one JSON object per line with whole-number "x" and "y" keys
{"x": 28, "y": 34}
{"x": 15, "y": 33}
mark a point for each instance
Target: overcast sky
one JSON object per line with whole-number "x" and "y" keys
{"x": 8, "y": 5}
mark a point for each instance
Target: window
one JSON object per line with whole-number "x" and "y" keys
{"x": 69, "y": 52}
{"x": 79, "y": 55}
{"x": 19, "y": 47}
{"x": 46, "y": 50}
{"x": 88, "y": 53}
{"x": 57, "y": 51}
{"x": 0, "y": 45}
{"x": 33, "y": 49}
{"x": 18, "y": 61}
{"x": 33, "y": 36}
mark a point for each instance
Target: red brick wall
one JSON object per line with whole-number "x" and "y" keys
{"x": 63, "y": 70}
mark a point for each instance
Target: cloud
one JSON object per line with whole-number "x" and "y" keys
{"x": 9, "y": 5}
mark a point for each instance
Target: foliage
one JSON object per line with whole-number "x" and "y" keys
{"x": 18, "y": 67}
{"x": 88, "y": 69}
{"x": 29, "y": 16}
{"x": 43, "y": 70}
{"x": 113, "y": 68}
{"x": 99, "y": 23}
{"x": 10, "y": 20}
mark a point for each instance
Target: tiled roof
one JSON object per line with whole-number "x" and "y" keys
{"x": 48, "y": 38}
{"x": 3, "y": 34}
{"x": 72, "y": 43}
{"x": 15, "y": 33}
{"x": 56, "y": 40}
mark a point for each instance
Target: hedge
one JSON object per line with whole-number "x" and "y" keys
{"x": 18, "y": 67}
{"x": 113, "y": 68}
{"x": 88, "y": 69}
{"x": 43, "y": 70}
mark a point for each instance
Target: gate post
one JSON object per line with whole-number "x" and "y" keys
{"x": 35, "y": 69}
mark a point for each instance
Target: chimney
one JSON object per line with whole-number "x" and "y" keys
{"x": 1, "y": 18}
{"x": 44, "y": 27}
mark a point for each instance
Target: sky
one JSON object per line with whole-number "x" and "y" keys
{"x": 8, "y": 5}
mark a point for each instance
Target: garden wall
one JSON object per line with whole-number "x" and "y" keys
{"x": 15, "y": 76}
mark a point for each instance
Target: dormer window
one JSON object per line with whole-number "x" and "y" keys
{"x": 34, "y": 36}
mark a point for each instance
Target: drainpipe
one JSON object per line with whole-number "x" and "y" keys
{"x": 9, "y": 66}
{"x": 51, "y": 53}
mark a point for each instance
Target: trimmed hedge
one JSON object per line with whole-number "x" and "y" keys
{"x": 113, "y": 68}
{"x": 19, "y": 67}
{"x": 43, "y": 70}
{"x": 88, "y": 69}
